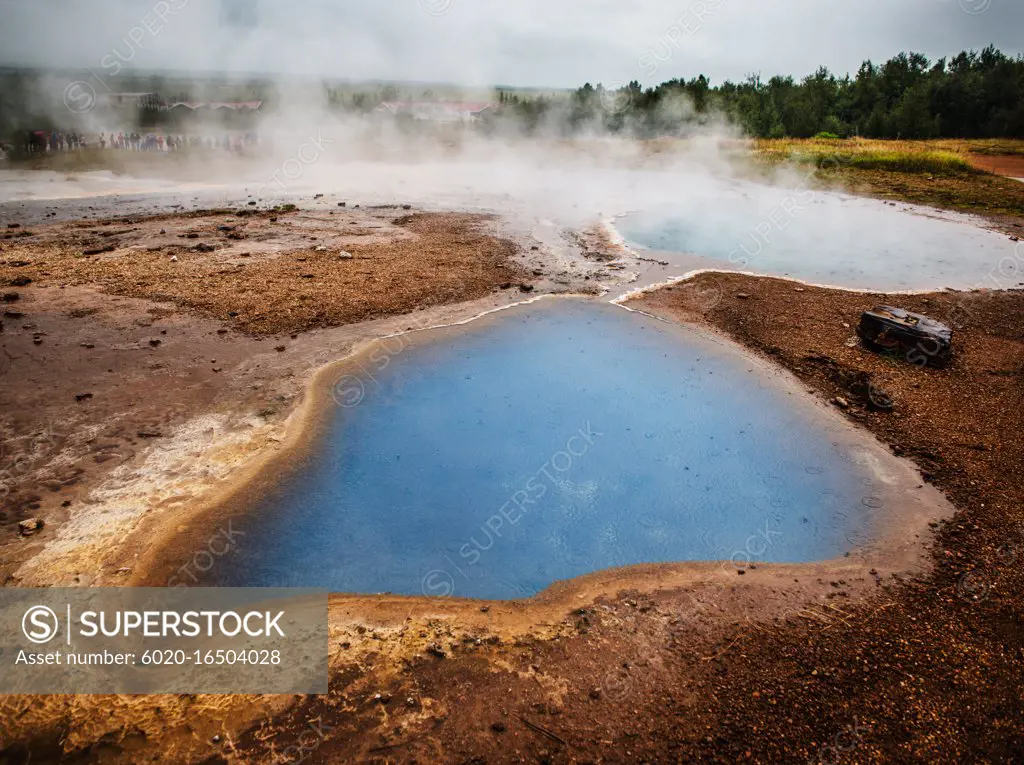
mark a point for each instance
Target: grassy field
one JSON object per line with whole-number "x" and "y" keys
{"x": 948, "y": 174}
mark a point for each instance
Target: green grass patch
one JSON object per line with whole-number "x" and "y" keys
{"x": 889, "y": 160}
{"x": 934, "y": 162}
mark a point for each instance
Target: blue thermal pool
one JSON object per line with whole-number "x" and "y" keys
{"x": 545, "y": 442}
{"x": 829, "y": 239}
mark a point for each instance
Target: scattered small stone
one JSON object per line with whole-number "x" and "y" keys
{"x": 436, "y": 650}
{"x": 83, "y": 396}
{"x": 11, "y": 297}
{"x": 154, "y": 343}
{"x": 203, "y": 247}
{"x": 498, "y": 727}
{"x": 20, "y": 281}
{"x": 30, "y": 526}
{"x": 252, "y": 204}
{"x": 841, "y": 402}
{"x": 280, "y": 349}
{"x": 742, "y": 295}
{"x": 526, "y": 288}
{"x": 406, "y": 207}
{"x": 341, "y": 204}
{"x": 318, "y": 196}
{"x": 174, "y": 258}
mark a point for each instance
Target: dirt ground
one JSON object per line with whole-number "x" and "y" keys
{"x": 937, "y": 674}
{"x": 272, "y": 272}
{"x": 804, "y": 663}
{"x": 1000, "y": 164}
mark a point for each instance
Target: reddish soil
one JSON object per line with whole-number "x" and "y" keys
{"x": 270, "y": 272}
{"x": 1011, "y": 165}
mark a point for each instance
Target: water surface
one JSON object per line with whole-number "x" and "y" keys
{"x": 554, "y": 440}
{"x": 829, "y": 239}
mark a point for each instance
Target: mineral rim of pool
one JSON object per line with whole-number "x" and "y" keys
{"x": 549, "y": 441}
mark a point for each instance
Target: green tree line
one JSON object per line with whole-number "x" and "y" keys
{"x": 971, "y": 95}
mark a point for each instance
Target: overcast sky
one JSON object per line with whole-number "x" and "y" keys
{"x": 516, "y": 42}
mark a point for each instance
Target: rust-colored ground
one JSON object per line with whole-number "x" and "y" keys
{"x": 272, "y": 272}
{"x": 937, "y": 675}
{"x": 1011, "y": 165}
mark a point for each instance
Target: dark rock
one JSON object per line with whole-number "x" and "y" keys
{"x": 20, "y": 281}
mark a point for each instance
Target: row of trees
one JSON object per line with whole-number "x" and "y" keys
{"x": 971, "y": 95}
